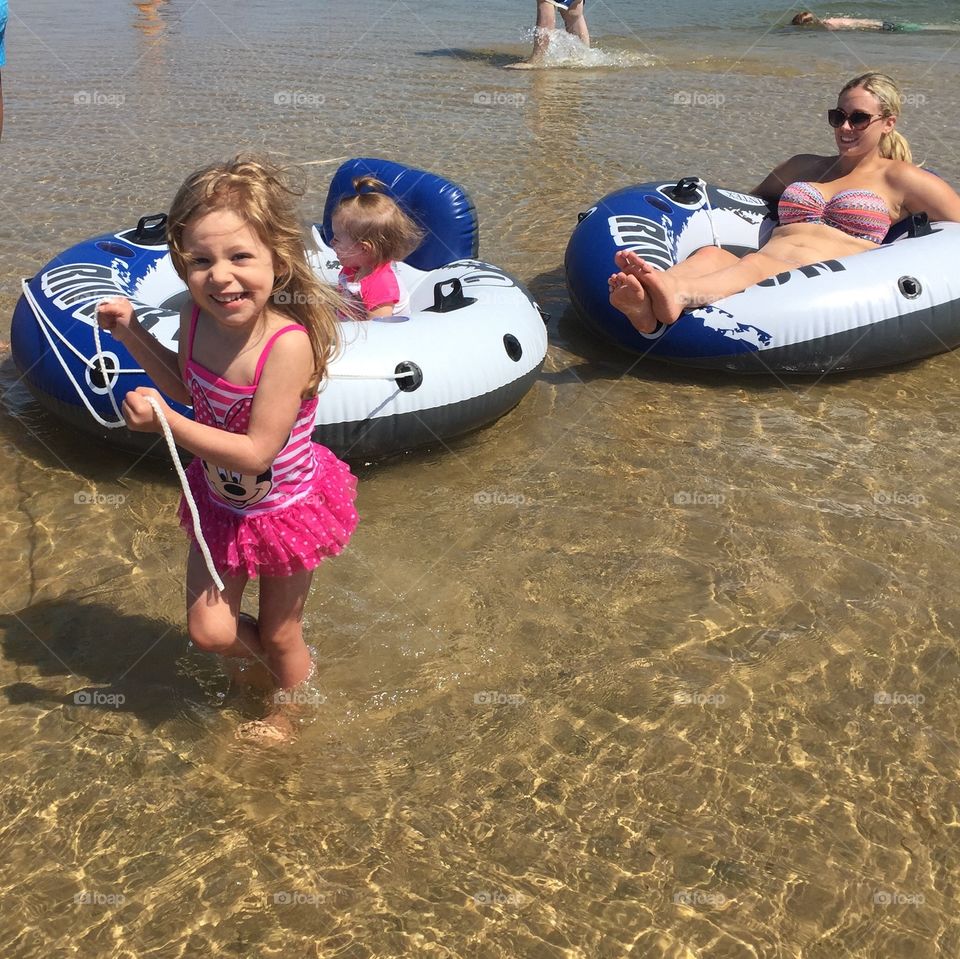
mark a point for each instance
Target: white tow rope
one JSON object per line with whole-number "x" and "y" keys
{"x": 171, "y": 446}
{"x": 706, "y": 199}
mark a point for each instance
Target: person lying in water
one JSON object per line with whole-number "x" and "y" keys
{"x": 806, "y": 19}
{"x": 829, "y": 207}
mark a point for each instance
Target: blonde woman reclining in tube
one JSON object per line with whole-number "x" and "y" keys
{"x": 829, "y": 207}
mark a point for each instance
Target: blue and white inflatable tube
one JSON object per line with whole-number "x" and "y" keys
{"x": 471, "y": 348}
{"x": 897, "y": 303}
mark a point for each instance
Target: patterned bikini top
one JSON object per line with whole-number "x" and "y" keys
{"x": 225, "y": 405}
{"x": 858, "y": 213}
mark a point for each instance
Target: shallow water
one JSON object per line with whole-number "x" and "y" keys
{"x": 660, "y": 664}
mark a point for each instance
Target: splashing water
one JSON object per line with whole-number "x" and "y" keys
{"x": 566, "y": 50}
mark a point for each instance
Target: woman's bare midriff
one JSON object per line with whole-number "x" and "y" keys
{"x": 800, "y": 244}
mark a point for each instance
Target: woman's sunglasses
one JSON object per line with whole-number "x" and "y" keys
{"x": 858, "y": 119}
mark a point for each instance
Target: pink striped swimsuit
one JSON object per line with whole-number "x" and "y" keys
{"x": 858, "y": 213}
{"x": 288, "y": 518}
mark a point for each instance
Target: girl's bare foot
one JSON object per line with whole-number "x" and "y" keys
{"x": 628, "y": 296}
{"x": 665, "y": 301}
{"x": 273, "y": 729}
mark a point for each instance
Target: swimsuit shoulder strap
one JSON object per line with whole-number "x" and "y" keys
{"x": 269, "y": 345}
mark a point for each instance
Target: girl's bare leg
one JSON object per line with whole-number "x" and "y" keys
{"x": 216, "y": 624}
{"x": 282, "y": 599}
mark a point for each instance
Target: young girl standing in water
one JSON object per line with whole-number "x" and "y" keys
{"x": 255, "y": 339}
{"x": 370, "y": 233}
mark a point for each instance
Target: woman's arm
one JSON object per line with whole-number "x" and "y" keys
{"x": 162, "y": 365}
{"x": 925, "y": 192}
{"x": 275, "y": 406}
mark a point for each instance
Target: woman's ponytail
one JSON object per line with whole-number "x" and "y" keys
{"x": 894, "y": 146}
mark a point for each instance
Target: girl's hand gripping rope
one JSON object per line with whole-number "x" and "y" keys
{"x": 140, "y": 414}
{"x": 116, "y": 315}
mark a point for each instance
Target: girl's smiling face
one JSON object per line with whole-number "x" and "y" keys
{"x": 230, "y": 272}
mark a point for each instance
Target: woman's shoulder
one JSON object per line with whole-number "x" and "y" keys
{"x": 908, "y": 178}
{"x": 901, "y": 172}
{"x": 924, "y": 190}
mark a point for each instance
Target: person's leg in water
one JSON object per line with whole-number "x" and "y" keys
{"x": 546, "y": 24}
{"x": 280, "y": 628}
{"x": 576, "y": 23}
{"x": 216, "y": 625}
{"x": 573, "y": 20}
{"x": 267, "y": 654}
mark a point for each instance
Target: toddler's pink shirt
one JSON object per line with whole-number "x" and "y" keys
{"x": 382, "y": 287}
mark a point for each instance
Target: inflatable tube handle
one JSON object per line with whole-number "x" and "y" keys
{"x": 687, "y": 189}
{"x": 151, "y": 229}
{"x": 919, "y": 225}
{"x": 448, "y": 302}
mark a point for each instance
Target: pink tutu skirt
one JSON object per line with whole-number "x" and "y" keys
{"x": 280, "y": 541}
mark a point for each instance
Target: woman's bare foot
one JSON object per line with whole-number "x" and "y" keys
{"x": 629, "y": 297}
{"x": 628, "y": 262}
{"x": 665, "y": 300}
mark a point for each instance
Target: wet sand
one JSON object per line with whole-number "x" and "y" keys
{"x": 660, "y": 664}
